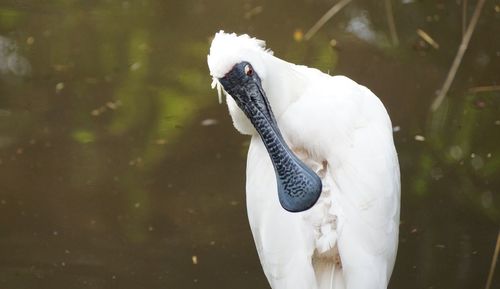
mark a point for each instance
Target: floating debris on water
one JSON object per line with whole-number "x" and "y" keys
{"x": 59, "y": 87}
{"x": 194, "y": 259}
{"x": 209, "y": 122}
{"x": 456, "y": 152}
{"x": 136, "y": 161}
{"x": 135, "y": 66}
{"x": 298, "y": 35}
{"x": 419, "y": 137}
{"x": 333, "y": 43}
{"x": 97, "y": 111}
{"x": 161, "y": 141}
{"x": 30, "y": 40}
{"x": 427, "y": 38}
{"x": 488, "y": 88}
{"x": 110, "y": 105}
{"x": 396, "y": 128}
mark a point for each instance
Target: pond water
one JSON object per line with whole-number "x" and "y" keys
{"x": 119, "y": 169}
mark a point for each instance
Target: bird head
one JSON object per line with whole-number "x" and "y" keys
{"x": 231, "y": 58}
{"x": 238, "y": 66}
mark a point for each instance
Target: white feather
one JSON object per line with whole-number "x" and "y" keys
{"x": 228, "y": 49}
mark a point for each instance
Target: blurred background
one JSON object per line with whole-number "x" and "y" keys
{"x": 119, "y": 169}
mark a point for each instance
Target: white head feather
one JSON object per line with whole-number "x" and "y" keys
{"x": 230, "y": 49}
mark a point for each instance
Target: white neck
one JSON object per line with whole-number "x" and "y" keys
{"x": 283, "y": 84}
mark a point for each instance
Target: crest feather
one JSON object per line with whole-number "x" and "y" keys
{"x": 228, "y": 49}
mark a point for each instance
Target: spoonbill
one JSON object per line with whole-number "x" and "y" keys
{"x": 322, "y": 179}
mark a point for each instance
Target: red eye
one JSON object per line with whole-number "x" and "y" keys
{"x": 248, "y": 70}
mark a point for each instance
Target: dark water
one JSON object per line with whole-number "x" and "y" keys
{"x": 118, "y": 168}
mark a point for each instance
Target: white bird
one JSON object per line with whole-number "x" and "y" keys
{"x": 322, "y": 180}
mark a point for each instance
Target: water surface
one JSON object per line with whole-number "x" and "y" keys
{"x": 119, "y": 169}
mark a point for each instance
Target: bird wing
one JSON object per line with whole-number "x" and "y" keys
{"x": 346, "y": 124}
{"x": 368, "y": 188}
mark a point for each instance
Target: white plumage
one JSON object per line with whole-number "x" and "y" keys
{"x": 340, "y": 130}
